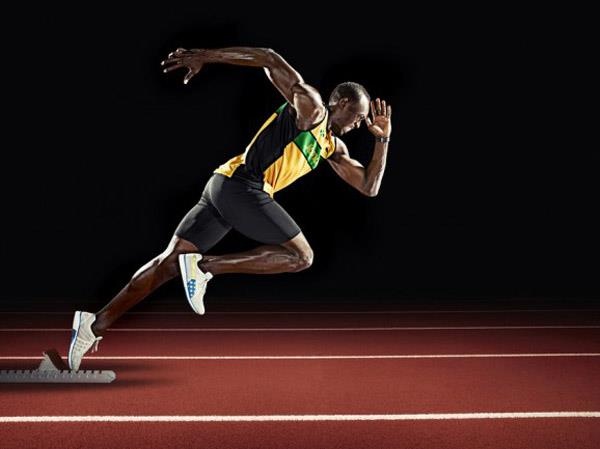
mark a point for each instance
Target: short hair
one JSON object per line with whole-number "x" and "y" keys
{"x": 350, "y": 90}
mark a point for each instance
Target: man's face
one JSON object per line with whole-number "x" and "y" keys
{"x": 349, "y": 115}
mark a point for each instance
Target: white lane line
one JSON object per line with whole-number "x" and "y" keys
{"x": 333, "y": 312}
{"x": 304, "y": 329}
{"x": 328, "y": 357}
{"x": 280, "y": 418}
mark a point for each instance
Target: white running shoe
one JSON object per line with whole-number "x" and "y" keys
{"x": 82, "y": 338}
{"x": 194, "y": 280}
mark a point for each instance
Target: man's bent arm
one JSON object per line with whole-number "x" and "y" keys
{"x": 304, "y": 98}
{"x": 365, "y": 180}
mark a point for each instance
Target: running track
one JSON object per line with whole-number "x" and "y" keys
{"x": 462, "y": 378}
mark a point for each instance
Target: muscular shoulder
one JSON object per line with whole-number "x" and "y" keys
{"x": 308, "y": 105}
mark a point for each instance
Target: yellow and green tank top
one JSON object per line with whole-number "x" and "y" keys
{"x": 280, "y": 153}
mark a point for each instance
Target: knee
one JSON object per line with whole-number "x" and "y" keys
{"x": 166, "y": 264}
{"x": 304, "y": 259}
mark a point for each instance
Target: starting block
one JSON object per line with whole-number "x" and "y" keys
{"x": 53, "y": 369}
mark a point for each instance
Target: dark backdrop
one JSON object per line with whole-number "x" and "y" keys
{"x": 488, "y": 191}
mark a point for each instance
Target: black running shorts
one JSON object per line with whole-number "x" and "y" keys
{"x": 239, "y": 204}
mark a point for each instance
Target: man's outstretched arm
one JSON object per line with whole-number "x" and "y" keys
{"x": 366, "y": 180}
{"x": 305, "y": 99}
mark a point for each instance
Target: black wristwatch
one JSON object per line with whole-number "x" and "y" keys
{"x": 382, "y": 139}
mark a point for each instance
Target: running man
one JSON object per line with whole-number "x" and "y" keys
{"x": 239, "y": 194}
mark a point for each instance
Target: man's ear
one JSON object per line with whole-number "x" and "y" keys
{"x": 343, "y": 102}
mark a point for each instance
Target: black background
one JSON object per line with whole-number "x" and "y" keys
{"x": 490, "y": 189}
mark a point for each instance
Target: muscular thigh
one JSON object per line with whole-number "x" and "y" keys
{"x": 252, "y": 212}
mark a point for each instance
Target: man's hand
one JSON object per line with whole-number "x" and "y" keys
{"x": 380, "y": 124}
{"x": 182, "y": 58}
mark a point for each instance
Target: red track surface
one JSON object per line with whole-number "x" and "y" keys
{"x": 504, "y": 434}
{"x": 314, "y": 387}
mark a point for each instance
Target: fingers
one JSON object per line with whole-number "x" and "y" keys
{"x": 188, "y": 76}
{"x": 179, "y": 52}
{"x": 180, "y": 59}
{"x": 173, "y": 67}
{"x": 176, "y": 57}
{"x": 380, "y": 107}
{"x": 171, "y": 61}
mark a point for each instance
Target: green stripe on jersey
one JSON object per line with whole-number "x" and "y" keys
{"x": 310, "y": 148}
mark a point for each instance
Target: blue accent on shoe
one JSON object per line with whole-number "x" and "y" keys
{"x": 191, "y": 285}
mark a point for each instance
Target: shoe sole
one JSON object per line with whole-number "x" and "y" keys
{"x": 76, "y": 325}
{"x": 183, "y": 270}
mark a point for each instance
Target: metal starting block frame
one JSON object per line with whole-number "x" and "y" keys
{"x": 53, "y": 369}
